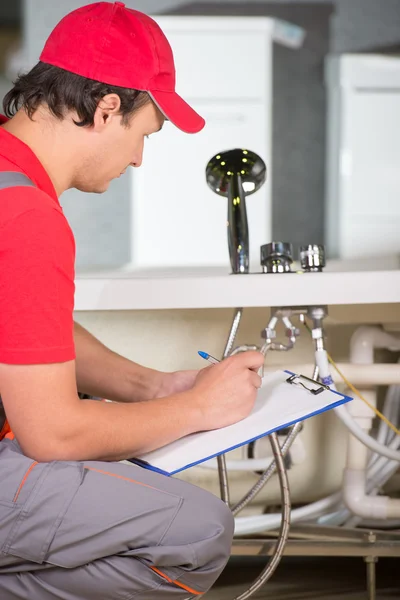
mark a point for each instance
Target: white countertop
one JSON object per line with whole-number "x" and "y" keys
{"x": 351, "y": 282}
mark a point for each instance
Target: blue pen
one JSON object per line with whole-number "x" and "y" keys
{"x": 208, "y": 357}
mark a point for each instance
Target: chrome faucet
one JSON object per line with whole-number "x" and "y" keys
{"x": 236, "y": 174}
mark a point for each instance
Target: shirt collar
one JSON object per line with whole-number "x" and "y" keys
{"x": 20, "y": 154}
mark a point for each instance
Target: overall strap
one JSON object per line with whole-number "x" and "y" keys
{"x": 9, "y": 179}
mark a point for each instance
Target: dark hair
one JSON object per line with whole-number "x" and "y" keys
{"x": 62, "y": 90}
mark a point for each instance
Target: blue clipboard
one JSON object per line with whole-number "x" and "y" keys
{"x": 284, "y": 399}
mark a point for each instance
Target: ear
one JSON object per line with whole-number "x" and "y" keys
{"x": 108, "y": 108}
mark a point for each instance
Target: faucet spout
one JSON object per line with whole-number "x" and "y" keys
{"x": 236, "y": 174}
{"x": 238, "y": 229}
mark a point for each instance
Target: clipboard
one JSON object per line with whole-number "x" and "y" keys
{"x": 283, "y": 399}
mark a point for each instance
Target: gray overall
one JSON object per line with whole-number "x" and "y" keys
{"x": 104, "y": 530}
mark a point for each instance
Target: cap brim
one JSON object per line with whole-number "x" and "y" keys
{"x": 176, "y": 110}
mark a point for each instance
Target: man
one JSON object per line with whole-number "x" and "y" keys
{"x": 74, "y": 522}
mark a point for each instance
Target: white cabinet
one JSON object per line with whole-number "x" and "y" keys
{"x": 224, "y": 70}
{"x": 223, "y": 62}
{"x": 177, "y": 220}
{"x": 363, "y": 177}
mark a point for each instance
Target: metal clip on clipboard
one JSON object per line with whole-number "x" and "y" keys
{"x": 295, "y": 380}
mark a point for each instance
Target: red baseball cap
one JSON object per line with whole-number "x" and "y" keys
{"x": 113, "y": 44}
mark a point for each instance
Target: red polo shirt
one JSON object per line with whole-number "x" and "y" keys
{"x": 37, "y": 258}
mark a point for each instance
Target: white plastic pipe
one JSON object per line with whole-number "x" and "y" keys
{"x": 363, "y": 505}
{"x": 380, "y": 470}
{"x": 391, "y": 412}
{"x": 366, "y": 339}
{"x": 360, "y": 495}
{"x": 355, "y": 486}
{"x": 344, "y": 516}
{"x": 378, "y": 474}
{"x": 362, "y": 345}
{"x": 357, "y": 501}
{"x": 366, "y": 439}
{"x": 321, "y": 359}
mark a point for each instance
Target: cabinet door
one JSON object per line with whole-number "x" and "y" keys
{"x": 177, "y": 220}
{"x": 371, "y": 183}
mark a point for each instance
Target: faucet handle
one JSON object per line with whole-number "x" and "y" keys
{"x": 312, "y": 257}
{"x": 276, "y": 257}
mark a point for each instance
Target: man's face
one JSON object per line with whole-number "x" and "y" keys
{"x": 113, "y": 147}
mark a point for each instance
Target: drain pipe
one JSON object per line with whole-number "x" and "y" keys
{"x": 366, "y": 339}
{"x": 362, "y": 345}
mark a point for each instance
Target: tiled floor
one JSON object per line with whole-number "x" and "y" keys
{"x": 308, "y": 579}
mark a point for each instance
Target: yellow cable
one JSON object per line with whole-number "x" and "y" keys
{"x": 357, "y": 393}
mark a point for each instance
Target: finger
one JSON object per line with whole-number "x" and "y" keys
{"x": 256, "y": 380}
{"x": 252, "y": 359}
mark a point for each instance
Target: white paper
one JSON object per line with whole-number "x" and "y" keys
{"x": 278, "y": 404}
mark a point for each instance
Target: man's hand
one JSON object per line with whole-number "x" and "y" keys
{"x": 176, "y": 382}
{"x": 225, "y": 393}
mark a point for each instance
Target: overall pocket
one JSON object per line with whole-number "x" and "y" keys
{"x": 39, "y": 508}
